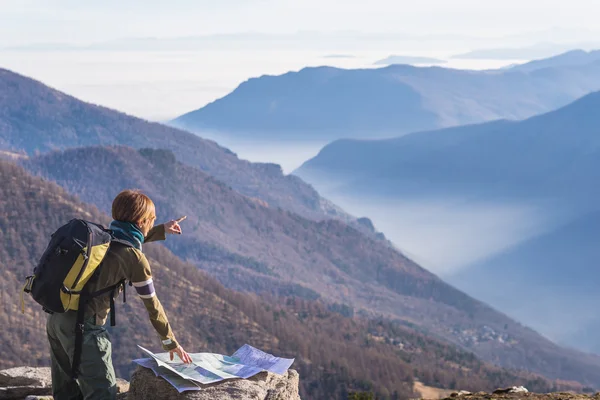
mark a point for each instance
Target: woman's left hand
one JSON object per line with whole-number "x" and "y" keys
{"x": 172, "y": 227}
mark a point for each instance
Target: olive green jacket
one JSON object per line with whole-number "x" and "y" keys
{"x": 128, "y": 263}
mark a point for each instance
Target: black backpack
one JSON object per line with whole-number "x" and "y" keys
{"x": 72, "y": 259}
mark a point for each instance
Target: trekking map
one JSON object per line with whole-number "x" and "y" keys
{"x": 207, "y": 368}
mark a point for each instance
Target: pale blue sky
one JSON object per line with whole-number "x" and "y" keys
{"x": 160, "y": 79}
{"x": 76, "y": 21}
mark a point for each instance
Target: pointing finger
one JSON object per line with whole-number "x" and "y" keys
{"x": 181, "y": 219}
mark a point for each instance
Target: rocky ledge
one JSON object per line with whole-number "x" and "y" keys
{"x": 19, "y": 383}
{"x": 264, "y": 386}
{"x": 35, "y": 384}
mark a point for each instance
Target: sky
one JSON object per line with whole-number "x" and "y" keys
{"x": 76, "y": 21}
{"x": 158, "y": 59}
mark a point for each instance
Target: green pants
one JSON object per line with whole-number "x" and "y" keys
{"x": 96, "y": 380}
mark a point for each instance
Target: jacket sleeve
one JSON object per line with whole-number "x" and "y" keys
{"x": 141, "y": 278}
{"x": 156, "y": 233}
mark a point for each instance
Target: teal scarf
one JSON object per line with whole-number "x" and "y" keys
{"x": 129, "y": 232}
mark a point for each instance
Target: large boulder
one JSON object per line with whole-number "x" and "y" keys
{"x": 264, "y": 386}
{"x": 26, "y": 376}
{"x": 18, "y": 383}
{"x": 21, "y": 392}
{"x": 36, "y": 384}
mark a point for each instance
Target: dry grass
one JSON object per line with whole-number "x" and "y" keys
{"x": 430, "y": 393}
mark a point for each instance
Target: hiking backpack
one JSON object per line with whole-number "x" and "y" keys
{"x": 72, "y": 259}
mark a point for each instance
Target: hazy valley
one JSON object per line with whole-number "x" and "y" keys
{"x": 519, "y": 195}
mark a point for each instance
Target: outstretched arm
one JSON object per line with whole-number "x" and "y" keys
{"x": 144, "y": 285}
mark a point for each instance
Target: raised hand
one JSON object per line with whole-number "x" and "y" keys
{"x": 172, "y": 227}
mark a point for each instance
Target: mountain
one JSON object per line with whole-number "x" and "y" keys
{"x": 534, "y": 180}
{"x": 241, "y": 240}
{"x": 335, "y": 355}
{"x": 251, "y": 247}
{"x": 35, "y": 118}
{"x": 346, "y": 268}
{"x": 568, "y": 59}
{"x": 328, "y": 103}
{"x": 555, "y": 153}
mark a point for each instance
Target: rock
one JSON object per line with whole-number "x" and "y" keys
{"x": 264, "y": 386}
{"x": 25, "y": 383}
{"x": 513, "y": 389}
{"x": 122, "y": 386}
{"x": 461, "y": 393}
{"x": 26, "y": 376}
{"x": 21, "y": 392}
{"x": 367, "y": 223}
{"x": 520, "y": 389}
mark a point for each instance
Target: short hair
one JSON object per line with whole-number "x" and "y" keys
{"x": 132, "y": 206}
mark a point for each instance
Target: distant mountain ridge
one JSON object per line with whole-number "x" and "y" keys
{"x": 35, "y": 118}
{"x": 326, "y": 103}
{"x": 568, "y": 59}
{"x": 558, "y": 143}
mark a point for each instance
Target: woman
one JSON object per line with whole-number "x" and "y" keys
{"x": 134, "y": 215}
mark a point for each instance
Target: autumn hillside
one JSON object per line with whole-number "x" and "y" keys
{"x": 334, "y": 354}
{"x": 250, "y": 246}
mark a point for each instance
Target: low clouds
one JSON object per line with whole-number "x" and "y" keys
{"x": 68, "y": 20}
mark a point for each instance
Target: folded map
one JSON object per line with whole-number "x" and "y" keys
{"x": 207, "y": 368}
